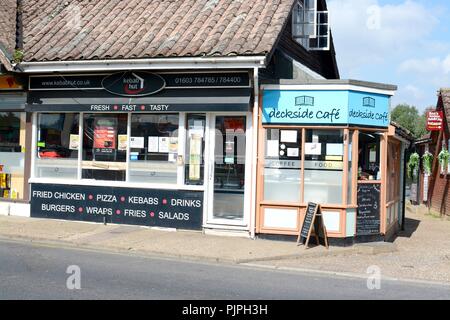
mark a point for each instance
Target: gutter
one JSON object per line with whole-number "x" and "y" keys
{"x": 245, "y": 62}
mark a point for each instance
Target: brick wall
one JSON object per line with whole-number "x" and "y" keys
{"x": 440, "y": 201}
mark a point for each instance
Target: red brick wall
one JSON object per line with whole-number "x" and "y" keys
{"x": 440, "y": 200}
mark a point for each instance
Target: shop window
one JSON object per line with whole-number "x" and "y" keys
{"x": 350, "y": 169}
{"x": 310, "y": 27}
{"x": 12, "y": 142}
{"x": 369, "y": 156}
{"x": 154, "y": 148}
{"x": 393, "y": 170}
{"x": 195, "y": 148}
{"x": 104, "y": 146}
{"x": 324, "y": 163}
{"x": 57, "y": 146}
{"x": 282, "y": 165}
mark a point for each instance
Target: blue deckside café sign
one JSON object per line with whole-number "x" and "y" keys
{"x": 325, "y": 107}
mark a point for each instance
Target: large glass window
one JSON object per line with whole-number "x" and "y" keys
{"x": 324, "y": 159}
{"x": 282, "y": 165}
{"x": 350, "y": 168}
{"x": 195, "y": 149}
{"x": 369, "y": 153}
{"x": 12, "y": 143}
{"x": 104, "y": 146}
{"x": 154, "y": 148}
{"x": 57, "y": 145}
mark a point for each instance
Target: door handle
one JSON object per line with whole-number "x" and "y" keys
{"x": 211, "y": 171}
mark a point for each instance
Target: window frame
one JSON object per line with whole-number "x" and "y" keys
{"x": 345, "y": 203}
{"x": 179, "y": 185}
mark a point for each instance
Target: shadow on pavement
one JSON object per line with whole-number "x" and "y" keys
{"x": 411, "y": 226}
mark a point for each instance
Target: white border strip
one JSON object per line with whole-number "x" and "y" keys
{"x": 327, "y": 87}
{"x": 247, "y": 62}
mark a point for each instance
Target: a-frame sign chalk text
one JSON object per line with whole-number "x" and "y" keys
{"x": 313, "y": 220}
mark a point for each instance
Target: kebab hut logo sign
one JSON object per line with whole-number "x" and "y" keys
{"x": 148, "y": 207}
{"x": 133, "y": 84}
{"x": 435, "y": 120}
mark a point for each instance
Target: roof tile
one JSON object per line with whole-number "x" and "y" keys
{"x": 8, "y": 12}
{"x": 114, "y": 29}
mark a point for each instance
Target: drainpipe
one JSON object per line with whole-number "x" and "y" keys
{"x": 254, "y": 152}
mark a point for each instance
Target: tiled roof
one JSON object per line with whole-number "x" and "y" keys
{"x": 115, "y": 29}
{"x": 445, "y": 94}
{"x": 8, "y": 9}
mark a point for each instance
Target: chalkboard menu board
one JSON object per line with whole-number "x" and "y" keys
{"x": 368, "y": 218}
{"x": 313, "y": 222}
{"x": 309, "y": 217}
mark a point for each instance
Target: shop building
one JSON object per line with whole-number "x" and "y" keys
{"x": 332, "y": 143}
{"x": 146, "y": 113}
{"x": 200, "y": 115}
{"x": 433, "y": 189}
{"x": 15, "y": 123}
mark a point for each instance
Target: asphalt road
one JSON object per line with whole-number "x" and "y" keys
{"x": 32, "y": 271}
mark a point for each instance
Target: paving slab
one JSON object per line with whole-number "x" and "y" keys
{"x": 422, "y": 253}
{"x": 143, "y": 240}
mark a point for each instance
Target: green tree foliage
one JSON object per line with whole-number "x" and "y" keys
{"x": 408, "y": 117}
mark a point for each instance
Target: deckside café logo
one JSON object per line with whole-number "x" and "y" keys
{"x": 304, "y": 110}
{"x": 368, "y": 113}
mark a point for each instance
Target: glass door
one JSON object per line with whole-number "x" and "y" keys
{"x": 227, "y": 176}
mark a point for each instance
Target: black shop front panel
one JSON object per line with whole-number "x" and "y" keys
{"x": 180, "y": 209}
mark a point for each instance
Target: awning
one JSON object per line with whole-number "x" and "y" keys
{"x": 12, "y": 101}
{"x": 175, "y": 100}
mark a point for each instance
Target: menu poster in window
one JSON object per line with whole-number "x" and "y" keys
{"x": 123, "y": 142}
{"x": 292, "y": 152}
{"x": 272, "y": 148}
{"x": 163, "y": 145}
{"x": 313, "y": 149}
{"x": 195, "y": 152}
{"x": 373, "y": 154}
{"x": 197, "y": 128}
{"x": 288, "y": 136}
{"x": 105, "y": 135}
{"x": 335, "y": 152}
{"x": 173, "y": 145}
{"x": 229, "y": 146}
{"x": 137, "y": 142}
{"x": 335, "y": 149}
{"x": 74, "y": 143}
{"x": 153, "y": 144}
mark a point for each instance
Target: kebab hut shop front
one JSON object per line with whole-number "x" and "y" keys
{"x": 140, "y": 148}
{"x": 329, "y": 143}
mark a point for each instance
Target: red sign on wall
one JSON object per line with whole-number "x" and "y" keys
{"x": 435, "y": 120}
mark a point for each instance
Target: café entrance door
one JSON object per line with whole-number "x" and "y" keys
{"x": 228, "y": 177}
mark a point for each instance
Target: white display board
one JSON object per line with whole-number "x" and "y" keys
{"x": 280, "y": 218}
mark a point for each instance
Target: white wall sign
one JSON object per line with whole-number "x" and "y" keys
{"x": 289, "y": 136}
{"x": 313, "y": 149}
{"x": 137, "y": 142}
{"x": 153, "y": 144}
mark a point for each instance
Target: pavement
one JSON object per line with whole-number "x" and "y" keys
{"x": 421, "y": 252}
{"x": 147, "y": 241}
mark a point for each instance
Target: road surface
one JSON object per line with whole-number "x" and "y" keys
{"x": 36, "y": 271}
